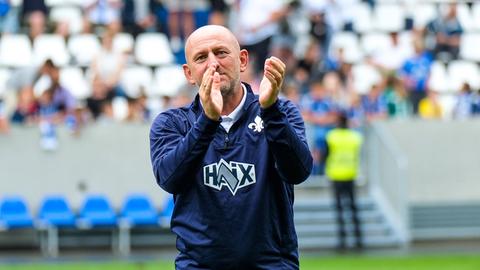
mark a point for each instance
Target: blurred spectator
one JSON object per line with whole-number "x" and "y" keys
{"x": 308, "y": 66}
{"x": 320, "y": 112}
{"x": 374, "y": 104}
{"x": 139, "y": 16}
{"x": 443, "y": 34}
{"x": 396, "y": 97}
{"x": 355, "y": 113}
{"x": 415, "y": 72}
{"x": 476, "y": 103}
{"x": 391, "y": 58}
{"x": 58, "y": 101}
{"x": 291, "y": 91}
{"x": 340, "y": 93}
{"x": 34, "y": 14}
{"x": 256, "y": 25}
{"x": 102, "y": 13}
{"x": 26, "y": 111}
{"x": 138, "y": 110}
{"x": 218, "y": 12}
{"x": 4, "y": 124}
{"x": 107, "y": 67}
{"x": 464, "y": 106}
{"x": 8, "y": 17}
{"x": 429, "y": 107}
{"x": 181, "y": 21}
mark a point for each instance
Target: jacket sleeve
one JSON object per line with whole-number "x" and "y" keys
{"x": 285, "y": 133}
{"x": 174, "y": 154}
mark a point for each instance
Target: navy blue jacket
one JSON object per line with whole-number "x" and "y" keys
{"x": 233, "y": 190}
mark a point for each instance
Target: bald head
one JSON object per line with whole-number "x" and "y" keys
{"x": 210, "y": 32}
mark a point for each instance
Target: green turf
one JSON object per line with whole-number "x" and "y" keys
{"x": 440, "y": 262}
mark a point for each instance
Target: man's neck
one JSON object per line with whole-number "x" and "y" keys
{"x": 231, "y": 102}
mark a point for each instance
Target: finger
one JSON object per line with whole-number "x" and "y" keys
{"x": 277, "y": 76}
{"x": 278, "y": 63}
{"x": 271, "y": 78}
{"x": 216, "y": 82}
{"x": 207, "y": 80}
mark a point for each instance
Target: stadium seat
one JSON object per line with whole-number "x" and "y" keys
{"x": 50, "y": 46}
{"x": 362, "y": 18}
{"x": 138, "y": 210}
{"x": 120, "y": 108}
{"x": 72, "y": 78}
{"x": 69, "y": 14}
{"x": 83, "y": 48}
{"x": 350, "y": 44}
{"x": 134, "y": 78}
{"x": 375, "y": 42}
{"x": 168, "y": 81}
{"x": 389, "y": 18}
{"x": 167, "y": 211}
{"x": 96, "y": 212}
{"x": 55, "y": 211}
{"x": 476, "y": 16}
{"x": 465, "y": 17}
{"x": 364, "y": 77}
{"x": 469, "y": 47}
{"x": 15, "y": 51}
{"x": 153, "y": 49}
{"x": 123, "y": 42}
{"x": 14, "y": 213}
{"x": 423, "y": 13}
{"x": 460, "y": 72}
{"x": 5, "y": 74}
{"x": 438, "y": 79}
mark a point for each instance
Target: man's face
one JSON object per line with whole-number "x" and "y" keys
{"x": 215, "y": 46}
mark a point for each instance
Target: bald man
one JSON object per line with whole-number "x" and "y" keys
{"x": 231, "y": 159}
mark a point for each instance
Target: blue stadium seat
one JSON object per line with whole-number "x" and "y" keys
{"x": 167, "y": 211}
{"x": 14, "y": 213}
{"x": 97, "y": 212}
{"x": 55, "y": 211}
{"x": 138, "y": 210}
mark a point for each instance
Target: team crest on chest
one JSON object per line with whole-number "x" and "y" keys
{"x": 257, "y": 125}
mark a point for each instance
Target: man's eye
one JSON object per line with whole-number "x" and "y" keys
{"x": 200, "y": 58}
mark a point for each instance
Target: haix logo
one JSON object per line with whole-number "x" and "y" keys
{"x": 234, "y": 175}
{"x": 257, "y": 126}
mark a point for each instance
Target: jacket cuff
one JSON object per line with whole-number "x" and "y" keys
{"x": 206, "y": 124}
{"x": 271, "y": 112}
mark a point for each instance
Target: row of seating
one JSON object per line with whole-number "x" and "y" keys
{"x": 16, "y": 50}
{"x": 97, "y": 211}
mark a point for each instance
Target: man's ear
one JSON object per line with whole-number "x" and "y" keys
{"x": 188, "y": 74}
{"x": 243, "y": 60}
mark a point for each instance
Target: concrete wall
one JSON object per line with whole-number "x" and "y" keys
{"x": 443, "y": 159}
{"x": 112, "y": 159}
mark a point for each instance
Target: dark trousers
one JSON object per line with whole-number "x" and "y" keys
{"x": 345, "y": 198}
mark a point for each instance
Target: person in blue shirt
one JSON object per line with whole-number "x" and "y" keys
{"x": 230, "y": 159}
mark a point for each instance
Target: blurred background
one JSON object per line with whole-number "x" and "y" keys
{"x": 82, "y": 80}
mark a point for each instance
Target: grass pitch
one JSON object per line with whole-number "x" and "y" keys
{"x": 431, "y": 262}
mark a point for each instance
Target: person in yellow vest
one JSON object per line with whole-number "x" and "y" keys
{"x": 342, "y": 164}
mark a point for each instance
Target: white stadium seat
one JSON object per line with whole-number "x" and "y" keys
{"x": 168, "y": 81}
{"x": 389, "y": 18}
{"x": 350, "y": 44}
{"x": 153, "y": 49}
{"x": 72, "y": 78}
{"x": 83, "y": 48}
{"x": 469, "y": 47}
{"x": 70, "y": 14}
{"x": 465, "y": 17}
{"x": 362, "y": 18}
{"x": 364, "y": 77}
{"x": 50, "y": 46}
{"x": 135, "y": 78}
{"x": 438, "y": 79}
{"x": 4, "y": 77}
{"x": 423, "y": 13}
{"x": 476, "y": 16}
{"x": 123, "y": 42}
{"x": 460, "y": 72}
{"x": 375, "y": 42}
{"x": 15, "y": 51}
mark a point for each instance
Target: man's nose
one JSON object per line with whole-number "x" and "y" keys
{"x": 212, "y": 61}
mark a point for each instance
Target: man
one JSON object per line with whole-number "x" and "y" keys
{"x": 341, "y": 168}
{"x": 231, "y": 159}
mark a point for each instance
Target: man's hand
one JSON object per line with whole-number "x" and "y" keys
{"x": 212, "y": 100}
{"x": 274, "y": 73}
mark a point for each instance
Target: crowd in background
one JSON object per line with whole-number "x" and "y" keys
{"x": 320, "y": 77}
